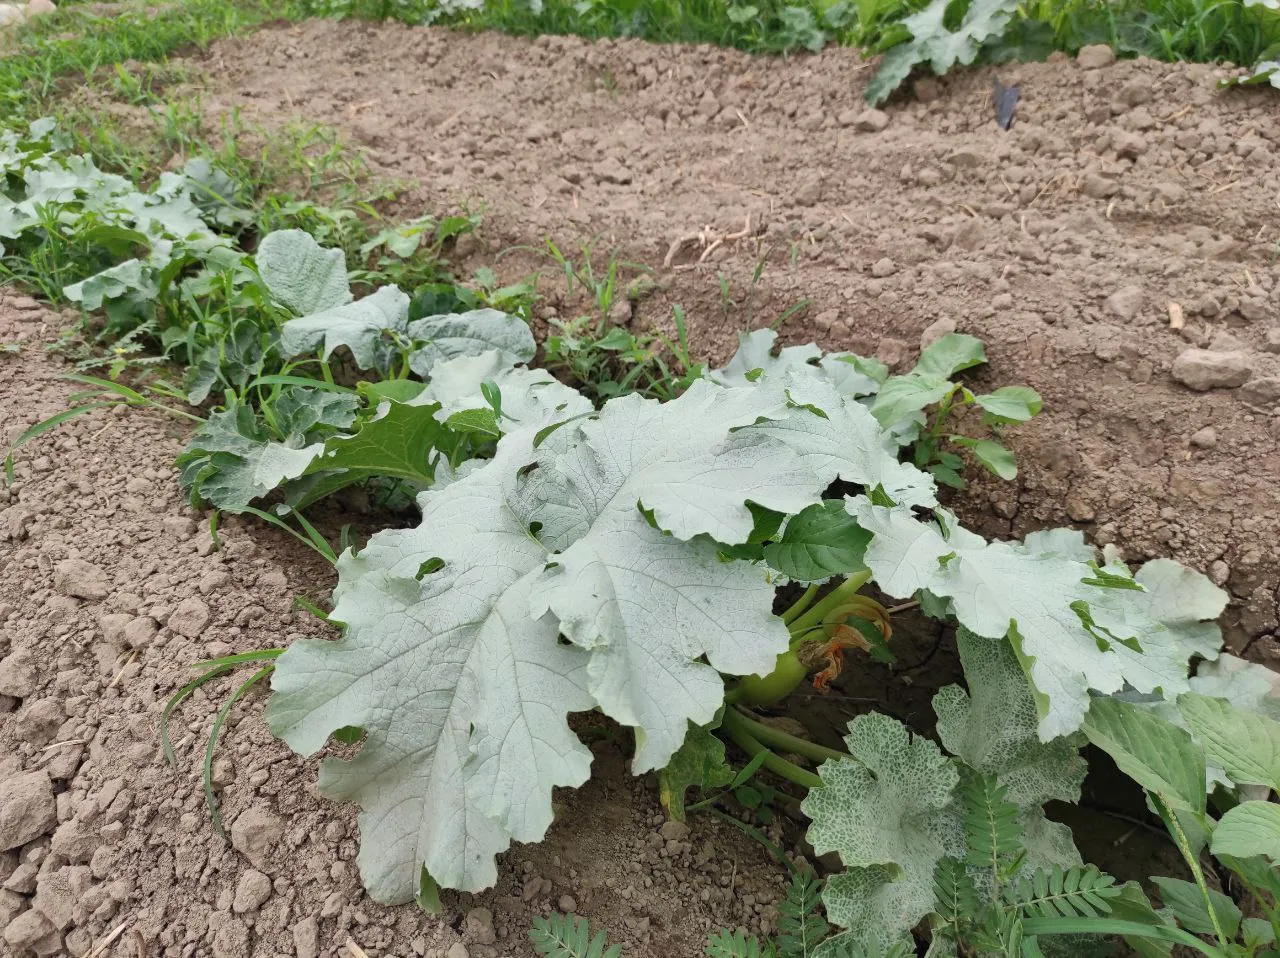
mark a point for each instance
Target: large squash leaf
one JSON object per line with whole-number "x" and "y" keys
{"x": 462, "y": 693}
{"x": 302, "y": 276}
{"x": 606, "y": 533}
{"x": 1075, "y": 627}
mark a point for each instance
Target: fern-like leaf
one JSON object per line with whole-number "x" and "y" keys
{"x": 1080, "y": 892}
{"x": 569, "y": 936}
{"x": 990, "y": 822}
{"x": 800, "y": 926}
{"x": 736, "y": 944}
{"x": 956, "y": 896}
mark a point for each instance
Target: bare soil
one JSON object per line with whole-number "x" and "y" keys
{"x": 1061, "y": 243}
{"x": 110, "y": 586}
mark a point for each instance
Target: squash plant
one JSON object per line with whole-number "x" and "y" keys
{"x": 628, "y": 561}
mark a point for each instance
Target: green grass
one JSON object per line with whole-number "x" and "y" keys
{"x": 1194, "y": 30}
{"x": 74, "y": 43}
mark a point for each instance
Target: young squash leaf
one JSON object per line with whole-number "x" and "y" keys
{"x": 886, "y": 813}
{"x": 698, "y": 763}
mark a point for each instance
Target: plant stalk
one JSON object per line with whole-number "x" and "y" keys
{"x": 800, "y": 605}
{"x": 842, "y": 593}
{"x": 1193, "y": 862}
{"x": 741, "y": 735}
{"x": 784, "y": 741}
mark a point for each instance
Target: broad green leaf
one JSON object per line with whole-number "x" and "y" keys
{"x": 993, "y": 728}
{"x": 1246, "y": 745}
{"x": 394, "y": 390}
{"x": 1009, "y": 404}
{"x": 902, "y": 396}
{"x": 698, "y": 763}
{"x": 949, "y": 355}
{"x": 1186, "y": 901}
{"x": 307, "y": 415}
{"x": 300, "y": 275}
{"x": 365, "y": 326}
{"x": 991, "y": 455}
{"x": 821, "y": 541}
{"x": 1157, "y": 755}
{"x": 399, "y": 441}
{"x": 854, "y": 375}
{"x": 1133, "y": 905}
{"x": 1070, "y": 636}
{"x": 1257, "y": 931}
{"x": 1251, "y": 828}
{"x": 885, "y": 813}
{"x": 463, "y": 694}
{"x": 440, "y": 338}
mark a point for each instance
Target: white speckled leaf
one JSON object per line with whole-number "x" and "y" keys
{"x": 993, "y": 727}
{"x": 302, "y": 276}
{"x": 886, "y": 814}
{"x": 463, "y": 694}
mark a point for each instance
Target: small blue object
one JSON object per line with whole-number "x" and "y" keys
{"x": 1005, "y": 99}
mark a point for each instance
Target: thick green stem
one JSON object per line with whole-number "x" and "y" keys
{"x": 776, "y": 738}
{"x": 841, "y": 594}
{"x": 800, "y": 605}
{"x": 1112, "y": 926}
{"x": 742, "y": 736}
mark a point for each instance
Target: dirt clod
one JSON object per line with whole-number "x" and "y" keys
{"x": 252, "y": 892}
{"x": 81, "y": 580}
{"x": 254, "y": 835}
{"x": 1205, "y": 369}
{"x": 1096, "y": 56}
{"x": 32, "y": 931}
{"x": 27, "y": 809}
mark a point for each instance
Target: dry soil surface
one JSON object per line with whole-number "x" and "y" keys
{"x": 109, "y": 587}
{"x": 1121, "y": 192}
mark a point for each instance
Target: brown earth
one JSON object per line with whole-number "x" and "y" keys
{"x": 109, "y": 587}
{"x": 1061, "y": 244}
